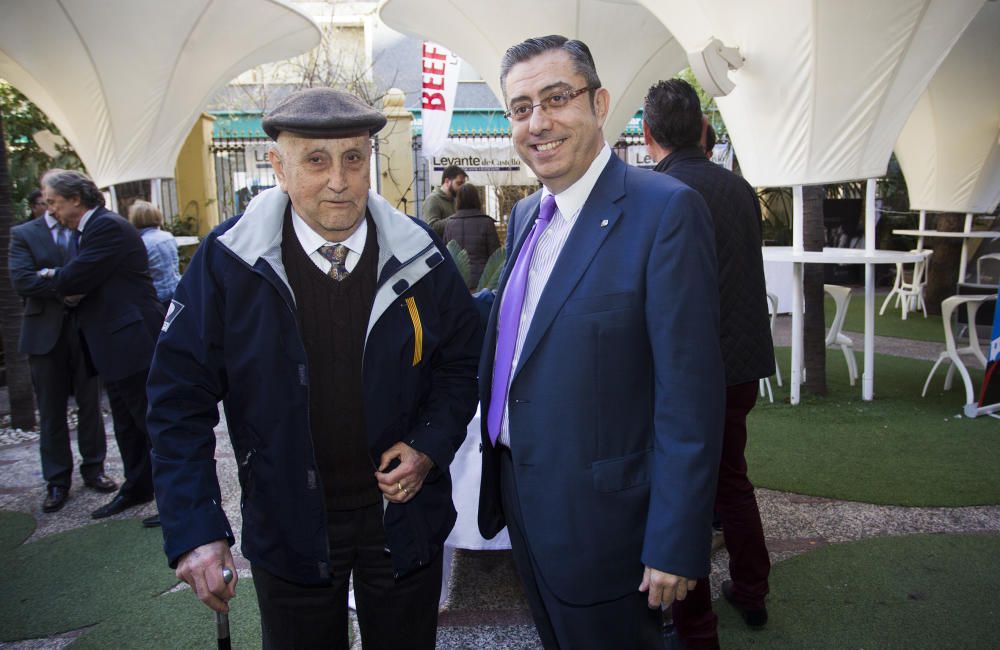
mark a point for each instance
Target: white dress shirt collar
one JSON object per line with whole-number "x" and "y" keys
{"x": 312, "y": 241}
{"x": 85, "y": 218}
{"x": 50, "y": 221}
{"x": 570, "y": 201}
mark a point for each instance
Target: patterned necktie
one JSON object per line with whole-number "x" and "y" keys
{"x": 510, "y": 318}
{"x": 336, "y": 254}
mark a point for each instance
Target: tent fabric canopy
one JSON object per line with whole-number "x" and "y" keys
{"x": 125, "y": 80}
{"x": 827, "y": 84}
{"x": 631, "y": 48}
{"x": 949, "y": 149}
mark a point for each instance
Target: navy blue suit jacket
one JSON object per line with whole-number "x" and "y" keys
{"x": 32, "y": 249}
{"x": 616, "y": 406}
{"x": 119, "y": 315}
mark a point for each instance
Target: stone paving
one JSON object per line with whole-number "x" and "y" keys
{"x": 485, "y": 607}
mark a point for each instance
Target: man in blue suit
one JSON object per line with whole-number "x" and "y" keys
{"x": 601, "y": 375}
{"x": 50, "y": 339}
{"x": 118, "y": 315}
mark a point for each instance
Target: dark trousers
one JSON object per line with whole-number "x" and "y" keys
{"x": 127, "y": 398}
{"x": 392, "y": 614}
{"x": 55, "y": 376}
{"x": 749, "y": 564}
{"x": 622, "y": 623}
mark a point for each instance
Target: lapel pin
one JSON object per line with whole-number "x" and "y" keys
{"x": 604, "y": 223}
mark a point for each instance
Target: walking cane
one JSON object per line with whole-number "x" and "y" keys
{"x": 222, "y": 619}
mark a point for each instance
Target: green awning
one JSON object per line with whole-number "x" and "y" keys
{"x": 465, "y": 122}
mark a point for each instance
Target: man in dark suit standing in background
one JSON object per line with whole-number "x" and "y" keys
{"x": 673, "y": 127}
{"x": 601, "y": 377}
{"x": 50, "y": 338}
{"x": 118, "y": 315}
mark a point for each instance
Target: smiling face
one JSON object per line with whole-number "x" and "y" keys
{"x": 558, "y": 145}
{"x": 327, "y": 181}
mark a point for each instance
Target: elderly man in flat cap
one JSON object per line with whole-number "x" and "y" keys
{"x": 342, "y": 342}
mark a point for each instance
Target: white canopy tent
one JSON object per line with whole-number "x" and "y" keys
{"x": 949, "y": 149}
{"x": 827, "y": 84}
{"x": 125, "y": 80}
{"x": 823, "y": 92}
{"x": 632, "y": 49}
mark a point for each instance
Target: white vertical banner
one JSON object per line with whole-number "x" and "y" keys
{"x": 439, "y": 69}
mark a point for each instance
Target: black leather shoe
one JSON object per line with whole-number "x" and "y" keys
{"x": 755, "y": 618}
{"x": 119, "y": 504}
{"x": 55, "y": 498}
{"x": 101, "y": 483}
{"x": 152, "y": 522}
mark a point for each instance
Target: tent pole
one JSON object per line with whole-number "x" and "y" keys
{"x": 155, "y": 192}
{"x": 868, "y": 375}
{"x": 796, "y": 371}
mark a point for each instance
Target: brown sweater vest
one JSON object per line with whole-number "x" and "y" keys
{"x": 333, "y": 318}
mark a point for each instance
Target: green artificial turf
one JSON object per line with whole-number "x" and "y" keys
{"x": 80, "y": 578}
{"x": 898, "y": 449}
{"x": 15, "y": 527}
{"x": 915, "y": 327}
{"x": 177, "y": 620}
{"x": 920, "y": 591}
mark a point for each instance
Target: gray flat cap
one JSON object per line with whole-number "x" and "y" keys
{"x": 322, "y": 113}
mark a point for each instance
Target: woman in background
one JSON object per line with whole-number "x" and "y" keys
{"x": 474, "y": 231}
{"x": 161, "y": 247}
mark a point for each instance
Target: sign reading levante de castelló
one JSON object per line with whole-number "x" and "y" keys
{"x": 487, "y": 161}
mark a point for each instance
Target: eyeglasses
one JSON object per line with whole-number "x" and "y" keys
{"x": 521, "y": 111}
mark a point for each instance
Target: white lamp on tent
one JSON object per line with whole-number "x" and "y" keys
{"x": 712, "y": 64}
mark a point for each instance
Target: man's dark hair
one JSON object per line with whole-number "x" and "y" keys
{"x": 579, "y": 54}
{"x": 68, "y": 183}
{"x": 673, "y": 112}
{"x": 468, "y": 198}
{"x": 33, "y": 197}
{"x": 710, "y": 139}
{"x": 450, "y": 172}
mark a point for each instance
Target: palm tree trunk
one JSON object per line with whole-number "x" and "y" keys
{"x": 813, "y": 323}
{"x": 942, "y": 275}
{"x": 22, "y": 398}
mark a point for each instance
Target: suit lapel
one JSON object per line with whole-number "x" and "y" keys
{"x": 47, "y": 246}
{"x": 527, "y": 217}
{"x": 586, "y": 238}
{"x": 521, "y": 220}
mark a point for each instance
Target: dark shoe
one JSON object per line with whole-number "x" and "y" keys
{"x": 152, "y": 522}
{"x": 101, "y": 483}
{"x": 119, "y": 504}
{"x": 755, "y": 618}
{"x": 55, "y": 499}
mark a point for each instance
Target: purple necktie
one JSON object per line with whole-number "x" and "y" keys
{"x": 510, "y": 318}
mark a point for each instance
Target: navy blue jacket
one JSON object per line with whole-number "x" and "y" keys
{"x": 232, "y": 334}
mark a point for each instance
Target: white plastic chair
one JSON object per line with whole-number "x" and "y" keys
{"x": 952, "y": 353}
{"x": 993, "y": 258}
{"x": 835, "y": 338}
{"x": 765, "y": 382}
{"x": 909, "y": 293}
